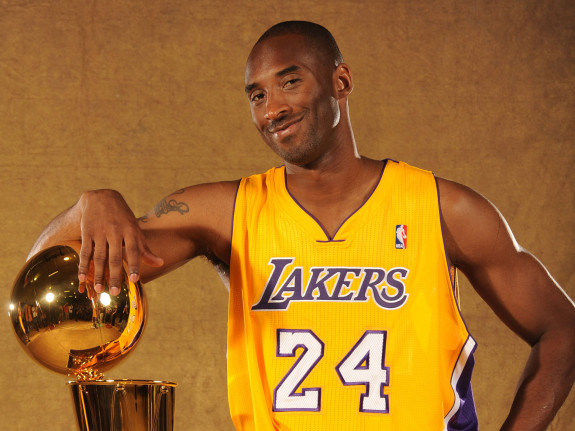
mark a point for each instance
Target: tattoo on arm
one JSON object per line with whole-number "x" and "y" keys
{"x": 165, "y": 206}
{"x": 143, "y": 219}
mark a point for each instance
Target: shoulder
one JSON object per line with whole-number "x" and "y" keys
{"x": 198, "y": 203}
{"x": 261, "y": 179}
{"x": 405, "y": 176}
{"x": 211, "y": 205}
{"x": 210, "y": 195}
{"x": 511, "y": 280}
{"x": 216, "y": 190}
{"x": 475, "y": 232}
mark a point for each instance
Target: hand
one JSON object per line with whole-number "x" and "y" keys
{"x": 110, "y": 233}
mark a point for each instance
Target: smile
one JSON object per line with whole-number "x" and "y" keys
{"x": 280, "y": 131}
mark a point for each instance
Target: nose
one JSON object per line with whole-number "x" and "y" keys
{"x": 276, "y": 106}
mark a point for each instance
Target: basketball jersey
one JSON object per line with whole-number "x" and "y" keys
{"x": 361, "y": 331}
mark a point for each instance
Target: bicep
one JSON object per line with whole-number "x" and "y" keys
{"x": 523, "y": 294}
{"x": 190, "y": 222}
{"x": 511, "y": 280}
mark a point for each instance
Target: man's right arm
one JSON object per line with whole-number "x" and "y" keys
{"x": 190, "y": 222}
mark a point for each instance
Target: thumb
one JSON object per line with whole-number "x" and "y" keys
{"x": 150, "y": 258}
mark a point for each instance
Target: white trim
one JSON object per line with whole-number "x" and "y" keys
{"x": 464, "y": 355}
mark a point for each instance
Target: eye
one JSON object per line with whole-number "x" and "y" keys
{"x": 256, "y": 96}
{"x": 291, "y": 82}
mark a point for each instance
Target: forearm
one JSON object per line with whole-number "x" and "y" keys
{"x": 545, "y": 383}
{"x": 63, "y": 228}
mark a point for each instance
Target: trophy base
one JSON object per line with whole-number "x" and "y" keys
{"x": 124, "y": 405}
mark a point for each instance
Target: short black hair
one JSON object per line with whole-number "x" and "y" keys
{"x": 315, "y": 34}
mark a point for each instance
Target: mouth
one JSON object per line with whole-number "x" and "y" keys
{"x": 281, "y": 129}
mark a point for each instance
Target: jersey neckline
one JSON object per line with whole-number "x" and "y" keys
{"x": 329, "y": 239}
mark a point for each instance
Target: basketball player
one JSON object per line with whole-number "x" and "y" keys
{"x": 343, "y": 300}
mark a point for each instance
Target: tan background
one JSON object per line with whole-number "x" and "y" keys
{"x": 147, "y": 97}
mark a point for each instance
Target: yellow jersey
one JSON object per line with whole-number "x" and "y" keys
{"x": 360, "y": 331}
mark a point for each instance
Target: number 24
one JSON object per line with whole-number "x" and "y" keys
{"x": 363, "y": 365}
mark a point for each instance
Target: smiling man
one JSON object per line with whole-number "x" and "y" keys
{"x": 343, "y": 295}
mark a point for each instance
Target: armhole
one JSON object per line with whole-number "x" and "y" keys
{"x": 451, "y": 269}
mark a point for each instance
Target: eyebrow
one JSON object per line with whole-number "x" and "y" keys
{"x": 286, "y": 71}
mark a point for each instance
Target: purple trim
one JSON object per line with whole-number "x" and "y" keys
{"x": 465, "y": 419}
{"x": 361, "y": 361}
{"x": 449, "y": 263}
{"x": 330, "y": 239}
{"x": 306, "y": 211}
{"x": 299, "y": 359}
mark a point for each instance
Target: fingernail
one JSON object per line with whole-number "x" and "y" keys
{"x": 98, "y": 287}
{"x": 114, "y": 290}
{"x": 134, "y": 276}
{"x": 82, "y": 278}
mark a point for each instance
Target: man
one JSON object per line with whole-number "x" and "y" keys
{"x": 343, "y": 298}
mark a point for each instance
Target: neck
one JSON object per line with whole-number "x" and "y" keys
{"x": 332, "y": 191}
{"x": 328, "y": 181}
{"x": 338, "y": 182}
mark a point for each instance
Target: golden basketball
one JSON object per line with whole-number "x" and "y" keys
{"x": 75, "y": 333}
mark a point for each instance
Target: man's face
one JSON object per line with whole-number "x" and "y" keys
{"x": 292, "y": 98}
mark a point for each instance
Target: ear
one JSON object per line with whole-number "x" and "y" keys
{"x": 343, "y": 80}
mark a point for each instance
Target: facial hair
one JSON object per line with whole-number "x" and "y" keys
{"x": 304, "y": 147}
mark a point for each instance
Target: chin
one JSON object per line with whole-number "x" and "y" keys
{"x": 301, "y": 159}
{"x": 294, "y": 151}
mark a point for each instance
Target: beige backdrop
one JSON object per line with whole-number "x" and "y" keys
{"x": 147, "y": 97}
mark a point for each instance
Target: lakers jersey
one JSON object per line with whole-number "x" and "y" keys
{"x": 361, "y": 331}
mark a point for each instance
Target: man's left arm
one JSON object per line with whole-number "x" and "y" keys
{"x": 522, "y": 293}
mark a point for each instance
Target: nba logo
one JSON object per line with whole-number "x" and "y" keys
{"x": 401, "y": 236}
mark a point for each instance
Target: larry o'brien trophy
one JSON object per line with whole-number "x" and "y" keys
{"x": 83, "y": 334}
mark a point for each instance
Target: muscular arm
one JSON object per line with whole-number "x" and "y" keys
{"x": 190, "y": 222}
{"x": 524, "y": 296}
{"x": 196, "y": 221}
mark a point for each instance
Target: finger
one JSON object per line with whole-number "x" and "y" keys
{"x": 99, "y": 259}
{"x": 85, "y": 256}
{"x": 115, "y": 264}
{"x": 114, "y": 287}
{"x": 132, "y": 254}
{"x": 149, "y": 259}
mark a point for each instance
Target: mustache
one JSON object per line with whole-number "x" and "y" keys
{"x": 283, "y": 123}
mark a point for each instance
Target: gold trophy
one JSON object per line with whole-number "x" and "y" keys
{"x": 82, "y": 333}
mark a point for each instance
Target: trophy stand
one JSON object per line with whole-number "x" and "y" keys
{"x": 124, "y": 405}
